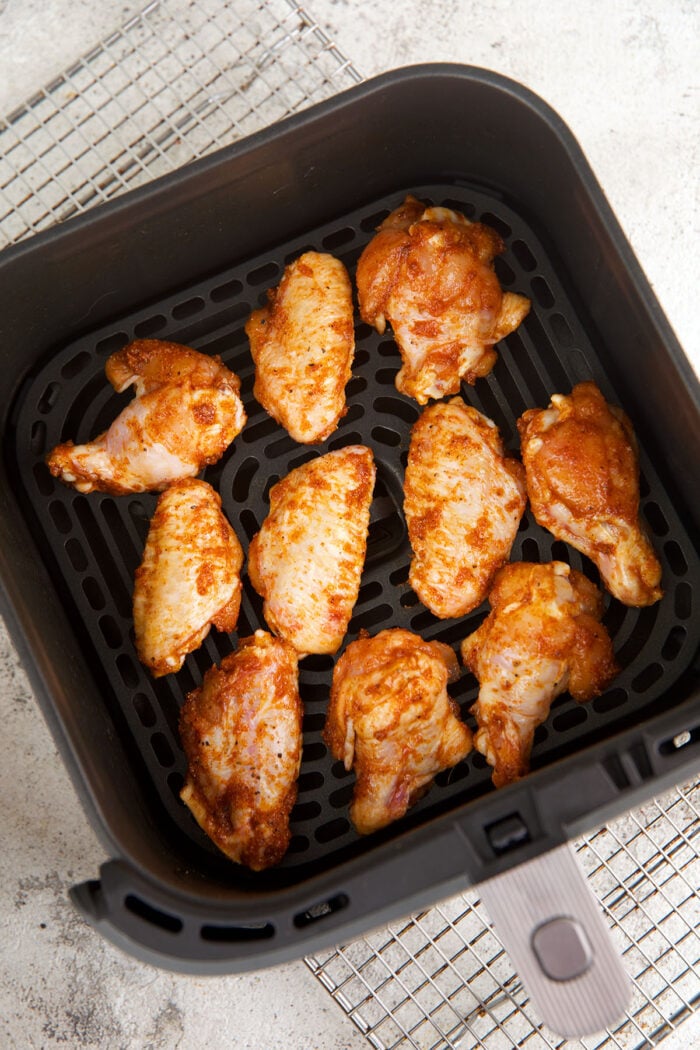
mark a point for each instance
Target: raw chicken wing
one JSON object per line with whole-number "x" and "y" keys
{"x": 189, "y": 577}
{"x": 542, "y": 637}
{"x": 429, "y": 273}
{"x": 464, "y": 498}
{"x": 302, "y": 344}
{"x": 391, "y": 719}
{"x": 186, "y": 413}
{"x": 241, "y": 733}
{"x": 307, "y": 559}
{"x": 580, "y": 459}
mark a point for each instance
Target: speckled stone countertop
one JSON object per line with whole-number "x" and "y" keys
{"x": 622, "y": 76}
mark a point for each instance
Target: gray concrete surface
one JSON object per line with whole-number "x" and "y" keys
{"x": 624, "y": 77}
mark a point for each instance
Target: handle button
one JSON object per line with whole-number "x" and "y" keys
{"x": 562, "y": 948}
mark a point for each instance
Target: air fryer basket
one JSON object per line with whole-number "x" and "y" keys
{"x": 177, "y": 899}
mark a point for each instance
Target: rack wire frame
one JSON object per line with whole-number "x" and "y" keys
{"x": 177, "y": 81}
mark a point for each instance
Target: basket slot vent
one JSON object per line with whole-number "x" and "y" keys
{"x": 569, "y": 719}
{"x": 542, "y": 292}
{"x": 523, "y": 254}
{"x": 76, "y": 364}
{"x": 60, "y": 517}
{"x": 150, "y": 326}
{"x": 497, "y": 222}
{"x": 48, "y": 398}
{"x": 76, "y": 555}
{"x": 676, "y": 558}
{"x": 162, "y": 750}
{"x": 647, "y": 677}
{"x": 320, "y": 910}
{"x": 655, "y": 517}
{"x": 306, "y": 810}
{"x": 37, "y": 441}
{"x": 675, "y": 641}
{"x": 386, "y": 437}
{"x": 334, "y": 829}
{"x": 144, "y": 710}
{"x": 110, "y": 632}
{"x": 609, "y": 701}
{"x": 237, "y": 934}
{"x": 561, "y": 331}
{"x": 227, "y": 290}
{"x": 264, "y": 274}
{"x": 188, "y": 308}
{"x": 338, "y": 238}
{"x": 93, "y": 593}
{"x": 152, "y": 915}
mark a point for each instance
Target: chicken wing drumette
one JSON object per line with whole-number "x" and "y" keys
{"x": 241, "y": 733}
{"x": 189, "y": 577}
{"x": 542, "y": 637}
{"x": 307, "y": 559}
{"x": 302, "y": 344}
{"x": 464, "y": 498}
{"x": 186, "y": 413}
{"x": 580, "y": 458}
{"x": 391, "y": 719}
{"x": 429, "y": 273}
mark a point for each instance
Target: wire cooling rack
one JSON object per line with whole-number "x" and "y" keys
{"x": 185, "y": 77}
{"x": 178, "y": 80}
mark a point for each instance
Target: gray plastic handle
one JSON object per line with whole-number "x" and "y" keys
{"x": 552, "y": 927}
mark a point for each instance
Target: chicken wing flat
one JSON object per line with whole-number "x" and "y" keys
{"x": 189, "y": 577}
{"x": 186, "y": 413}
{"x": 429, "y": 273}
{"x": 391, "y": 718}
{"x": 580, "y": 458}
{"x": 307, "y": 559}
{"x": 542, "y": 637}
{"x": 463, "y": 501}
{"x": 241, "y": 733}
{"x": 302, "y": 344}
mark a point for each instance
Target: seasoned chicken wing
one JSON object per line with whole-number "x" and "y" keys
{"x": 391, "y": 719}
{"x": 241, "y": 733}
{"x": 429, "y": 273}
{"x": 580, "y": 459}
{"x": 542, "y": 637}
{"x": 302, "y": 344}
{"x": 189, "y": 577}
{"x": 307, "y": 559}
{"x": 463, "y": 500}
{"x": 186, "y": 413}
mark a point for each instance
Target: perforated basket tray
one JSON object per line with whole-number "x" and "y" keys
{"x": 187, "y": 260}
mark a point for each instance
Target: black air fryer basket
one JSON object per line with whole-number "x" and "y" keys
{"x": 187, "y": 258}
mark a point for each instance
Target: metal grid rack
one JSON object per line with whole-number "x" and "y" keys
{"x": 182, "y": 78}
{"x": 185, "y": 77}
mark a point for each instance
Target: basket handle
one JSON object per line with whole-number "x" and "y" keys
{"x": 552, "y": 928}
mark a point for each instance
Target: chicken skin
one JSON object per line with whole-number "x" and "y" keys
{"x": 542, "y": 637}
{"x": 307, "y": 559}
{"x": 463, "y": 501}
{"x": 580, "y": 458}
{"x": 241, "y": 733}
{"x": 391, "y": 719}
{"x": 429, "y": 273}
{"x": 302, "y": 344}
{"x": 186, "y": 413}
{"x": 189, "y": 577}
